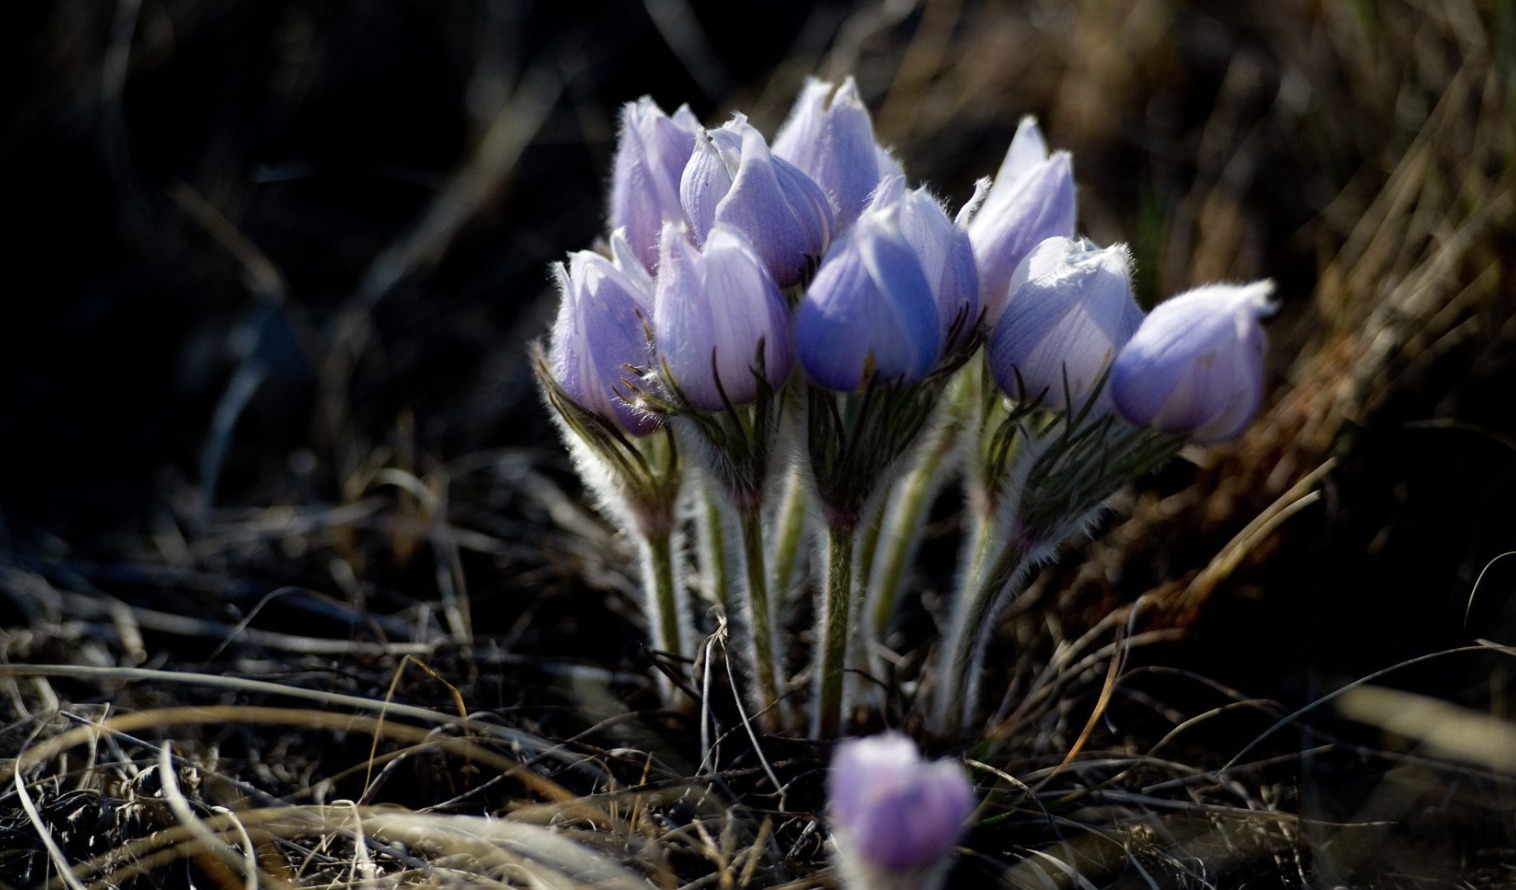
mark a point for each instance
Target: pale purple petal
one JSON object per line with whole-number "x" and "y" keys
{"x": 1015, "y": 217}
{"x": 706, "y": 180}
{"x": 869, "y": 311}
{"x": 799, "y": 139}
{"x": 713, "y": 308}
{"x": 849, "y": 164}
{"x": 781, "y": 211}
{"x": 893, "y": 809}
{"x": 1195, "y": 366}
{"x": 1065, "y": 324}
{"x": 946, "y": 255}
{"x": 651, "y": 152}
{"x": 599, "y": 332}
{"x": 834, "y": 145}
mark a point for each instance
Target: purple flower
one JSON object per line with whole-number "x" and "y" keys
{"x": 712, "y": 310}
{"x": 651, "y": 152}
{"x": 892, "y": 812}
{"x": 833, "y": 143}
{"x": 869, "y": 313}
{"x": 947, "y": 257}
{"x": 1032, "y": 200}
{"x": 599, "y": 334}
{"x": 733, "y": 179}
{"x": 1070, "y": 311}
{"x": 1195, "y": 366}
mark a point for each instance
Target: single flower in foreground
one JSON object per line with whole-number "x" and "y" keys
{"x": 718, "y": 318}
{"x": 1032, "y": 200}
{"x": 947, "y": 258}
{"x": 599, "y": 337}
{"x": 732, "y": 178}
{"x": 651, "y": 152}
{"x": 1195, "y": 366}
{"x": 895, "y": 818}
{"x": 1070, "y": 311}
{"x": 833, "y": 142}
{"x": 869, "y": 314}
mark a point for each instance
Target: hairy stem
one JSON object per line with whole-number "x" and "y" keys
{"x": 759, "y": 619}
{"x": 902, "y": 528}
{"x": 711, "y": 524}
{"x": 861, "y": 648}
{"x": 1010, "y": 573}
{"x": 829, "y": 706}
{"x": 670, "y": 628}
{"x": 789, "y": 534}
{"x": 972, "y": 610}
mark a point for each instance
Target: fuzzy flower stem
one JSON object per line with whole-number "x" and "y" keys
{"x": 868, "y": 536}
{"x": 832, "y": 641}
{"x": 711, "y": 527}
{"x": 861, "y": 649}
{"x": 789, "y": 533}
{"x": 962, "y": 654}
{"x": 761, "y": 640}
{"x": 978, "y": 549}
{"x": 1011, "y": 573}
{"x": 903, "y": 522}
{"x": 656, "y": 552}
{"x": 903, "y": 526}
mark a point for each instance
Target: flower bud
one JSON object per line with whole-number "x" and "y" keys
{"x": 651, "y": 152}
{"x": 1032, "y": 200}
{"x": 869, "y": 313}
{"x": 598, "y": 335}
{"x": 714, "y": 310}
{"x": 894, "y": 817}
{"x": 834, "y": 145}
{"x": 733, "y": 179}
{"x": 1070, "y": 311}
{"x": 1195, "y": 366}
{"x": 947, "y": 257}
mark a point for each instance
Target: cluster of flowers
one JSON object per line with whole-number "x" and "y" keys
{"x": 778, "y": 349}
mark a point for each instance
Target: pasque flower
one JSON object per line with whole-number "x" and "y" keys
{"x": 717, "y": 314}
{"x": 651, "y": 152}
{"x": 833, "y": 143}
{"x": 1195, "y": 366}
{"x": 733, "y": 179}
{"x": 600, "y": 335}
{"x": 732, "y": 258}
{"x": 947, "y": 257}
{"x": 895, "y": 817}
{"x": 1070, "y": 311}
{"x": 1032, "y": 200}
{"x": 869, "y": 313}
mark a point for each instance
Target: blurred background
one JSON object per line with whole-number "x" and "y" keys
{"x": 274, "y": 267}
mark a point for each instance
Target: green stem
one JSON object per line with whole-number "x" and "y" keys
{"x": 761, "y": 640}
{"x": 868, "y": 536}
{"x": 713, "y": 567}
{"x": 669, "y": 629}
{"x": 789, "y": 532}
{"x": 861, "y": 648}
{"x": 982, "y": 544}
{"x": 971, "y": 613}
{"x": 1011, "y": 569}
{"x": 836, "y": 606}
{"x": 902, "y": 532}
